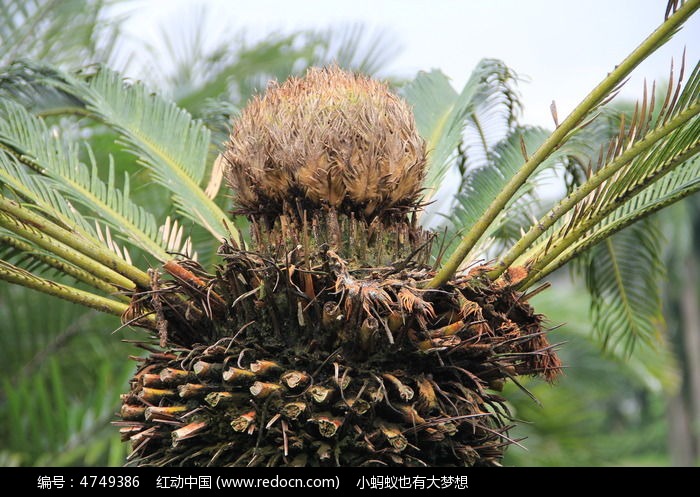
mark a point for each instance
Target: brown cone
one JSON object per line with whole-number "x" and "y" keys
{"x": 329, "y": 139}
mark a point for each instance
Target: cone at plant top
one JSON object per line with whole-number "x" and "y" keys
{"x": 330, "y": 139}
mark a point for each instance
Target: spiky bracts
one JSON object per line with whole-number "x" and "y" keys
{"x": 285, "y": 364}
{"x": 329, "y": 140}
{"x": 321, "y": 345}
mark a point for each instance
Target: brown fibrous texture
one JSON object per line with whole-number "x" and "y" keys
{"x": 330, "y": 139}
{"x": 282, "y": 364}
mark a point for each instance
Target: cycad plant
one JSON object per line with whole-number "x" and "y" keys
{"x": 333, "y": 328}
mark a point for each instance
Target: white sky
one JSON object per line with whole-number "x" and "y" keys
{"x": 563, "y": 47}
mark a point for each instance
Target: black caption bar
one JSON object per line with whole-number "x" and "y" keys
{"x": 321, "y": 481}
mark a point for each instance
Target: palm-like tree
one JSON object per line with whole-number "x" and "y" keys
{"x": 462, "y": 314}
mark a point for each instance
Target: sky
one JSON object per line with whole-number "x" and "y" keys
{"x": 562, "y": 48}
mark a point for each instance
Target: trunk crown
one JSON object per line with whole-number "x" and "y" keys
{"x": 319, "y": 345}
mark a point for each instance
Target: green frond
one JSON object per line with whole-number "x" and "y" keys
{"x": 630, "y": 191}
{"x": 52, "y": 209}
{"x": 673, "y": 187}
{"x": 175, "y": 153}
{"x": 481, "y": 184}
{"x": 662, "y": 156}
{"x": 636, "y": 157}
{"x": 620, "y": 260}
{"x": 23, "y": 85}
{"x": 442, "y": 114}
{"x": 45, "y": 151}
{"x": 22, "y": 223}
{"x": 39, "y": 191}
{"x": 578, "y": 118}
{"x": 622, "y": 276}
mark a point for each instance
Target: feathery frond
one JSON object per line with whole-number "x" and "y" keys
{"x": 22, "y": 84}
{"x": 600, "y": 229}
{"x": 578, "y": 118}
{"x": 677, "y": 185}
{"x": 39, "y": 191}
{"x": 442, "y": 114}
{"x": 636, "y": 158}
{"x": 176, "y": 154}
{"x": 482, "y": 183}
{"x": 621, "y": 274}
{"x": 44, "y": 151}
